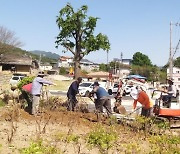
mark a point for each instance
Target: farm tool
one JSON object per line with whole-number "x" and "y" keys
{"x": 171, "y": 113}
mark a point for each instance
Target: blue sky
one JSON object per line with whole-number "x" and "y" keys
{"x": 131, "y": 25}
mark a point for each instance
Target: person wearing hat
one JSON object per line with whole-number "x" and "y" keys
{"x": 102, "y": 98}
{"x": 141, "y": 97}
{"x": 71, "y": 94}
{"x": 37, "y": 85}
{"x": 171, "y": 92}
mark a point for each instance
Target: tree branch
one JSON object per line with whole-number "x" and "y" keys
{"x": 69, "y": 49}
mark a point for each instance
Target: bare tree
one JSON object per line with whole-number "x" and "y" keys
{"x": 8, "y": 37}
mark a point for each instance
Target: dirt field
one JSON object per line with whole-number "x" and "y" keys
{"x": 18, "y": 130}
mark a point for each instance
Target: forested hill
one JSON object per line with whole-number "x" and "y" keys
{"x": 46, "y": 54}
{"x": 7, "y": 49}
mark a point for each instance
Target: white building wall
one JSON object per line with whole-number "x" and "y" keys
{"x": 45, "y": 68}
{"x": 123, "y": 72}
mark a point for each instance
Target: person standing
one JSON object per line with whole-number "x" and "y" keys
{"x": 141, "y": 97}
{"x": 103, "y": 99}
{"x": 171, "y": 93}
{"x": 37, "y": 85}
{"x": 71, "y": 94}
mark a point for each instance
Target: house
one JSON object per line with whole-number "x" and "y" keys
{"x": 123, "y": 72}
{"x": 45, "y": 67}
{"x": 124, "y": 69}
{"x": 88, "y": 65}
{"x": 65, "y": 61}
{"x": 101, "y": 75}
{"x": 175, "y": 76}
{"x": 85, "y": 64}
{"x": 19, "y": 63}
{"x": 123, "y": 61}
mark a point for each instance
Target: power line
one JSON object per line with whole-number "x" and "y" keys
{"x": 177, "y": 47}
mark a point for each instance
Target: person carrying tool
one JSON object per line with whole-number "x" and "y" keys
{"x": 103, "y": 99}
{"x": 141, "y": 97}
{"x": 37, "y": 85}
{"x": 71, "y": 94}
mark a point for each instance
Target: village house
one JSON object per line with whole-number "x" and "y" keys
{"x": 123, "y": 61}
{"x": 65, "y": 61}
{"x": 45, "y": 67}
{"x": 16, "y": 63}
{"x": 124, "y": 69}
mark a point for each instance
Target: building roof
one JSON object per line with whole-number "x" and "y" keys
{"x": 100, "y": 74}
{"x": 86, "y": 61}
{"x": 15, "y": 59}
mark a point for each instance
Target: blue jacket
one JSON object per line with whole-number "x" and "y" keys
{"x": 101, "y": 92}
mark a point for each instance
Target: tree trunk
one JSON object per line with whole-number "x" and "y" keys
{"x": 77, "y": 69}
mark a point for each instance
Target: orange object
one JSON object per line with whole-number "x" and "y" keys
{"x": 143, "y": 98}
{"x": 169, "y": 112}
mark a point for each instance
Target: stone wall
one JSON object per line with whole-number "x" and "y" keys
{"x": 4, "y": 80}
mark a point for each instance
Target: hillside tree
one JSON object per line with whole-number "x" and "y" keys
{"x": 77, "y": 34}
{"x": 8, "y": 37}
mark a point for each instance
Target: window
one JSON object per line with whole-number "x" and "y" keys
{"x": 178, "y": 79}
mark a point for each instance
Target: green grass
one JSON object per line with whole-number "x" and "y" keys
{"x": 61, "y": 85}
{"x": 2, "y": 103}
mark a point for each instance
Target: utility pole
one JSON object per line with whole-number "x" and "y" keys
{"x": 115, "y": 67}
{"x": 171, "y": 54}
{"x": 120, "y": 61}
{"x": 39, "y": 60}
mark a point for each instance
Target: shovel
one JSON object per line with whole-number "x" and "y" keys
{"x": 134, "y": 111}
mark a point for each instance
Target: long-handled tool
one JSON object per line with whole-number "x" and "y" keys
{"x": 134, "y": 111}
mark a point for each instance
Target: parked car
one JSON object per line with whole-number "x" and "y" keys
{"x": 127, "y": 90}
{"x": 85, "y": 88}
{"x": 114, "y": 89}
{"x": 15, "y": 80}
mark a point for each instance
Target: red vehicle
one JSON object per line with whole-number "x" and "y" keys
{"x": 172, "y": 112}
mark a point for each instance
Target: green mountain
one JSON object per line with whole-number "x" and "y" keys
{"x": 7, "y": 49}
{"x": 45, "y": 54}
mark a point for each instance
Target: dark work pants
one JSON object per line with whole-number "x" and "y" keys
{"x": 146, "y": 112}
{"x": 72, "y": 101}
{"x": 106, "y": 103}
{"x": 28, "y": 98}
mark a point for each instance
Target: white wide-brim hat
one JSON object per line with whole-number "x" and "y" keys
{"x": 134, "y": 93}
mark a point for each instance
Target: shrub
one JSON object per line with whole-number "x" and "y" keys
{"x": 164, "y": 144}
{"x": 62, "y": 71}
{"x": 39, "y": 148}
{"x": 102, "y": 138}
{"x": 25, "y": 81}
